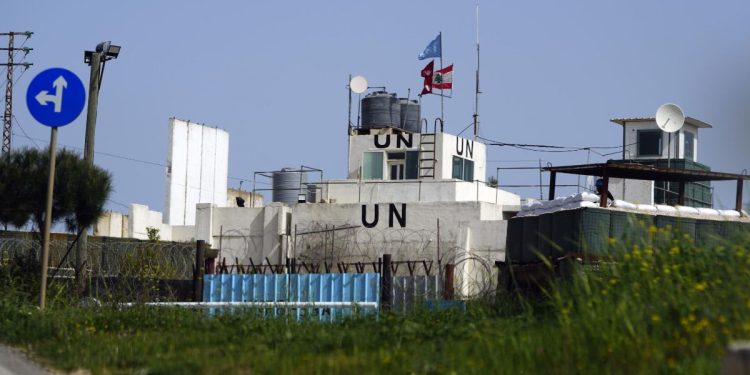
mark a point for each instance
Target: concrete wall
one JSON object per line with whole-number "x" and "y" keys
{"x": 359, "y": 144}
{"x": 406, "y": 230}
{"x": 197, "y": 165}
{"x": 448, "y": 146}
{"x": 633, "y": 191}
{"x": 251, "y": 199}
{"x": 352, "y": 191}
{"x": 111, "y": 224}
{"x": 141, "y": 218}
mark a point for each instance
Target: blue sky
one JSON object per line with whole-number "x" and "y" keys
{"x": 274, "y": 75}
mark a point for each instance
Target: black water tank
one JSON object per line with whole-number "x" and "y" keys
{"x": 381, "y": 110}
{"x": 409, "y": 115}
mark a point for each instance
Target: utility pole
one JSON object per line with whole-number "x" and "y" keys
{"x": 10, "y": 65}
{"x": 104, "y": 52}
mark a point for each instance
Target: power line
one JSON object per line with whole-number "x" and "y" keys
{"x": 24, "y": 132}
{"x": 116, "y": 156}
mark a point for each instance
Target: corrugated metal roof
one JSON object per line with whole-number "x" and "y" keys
{"x": 688, "y": 120}
{"x": 618, "y": 169}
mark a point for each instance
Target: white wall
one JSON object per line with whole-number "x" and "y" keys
{"x": 633, "y": 191}
{"x": 257, "y": 233}
{"x": 449, "y": 145}
{"x": 111, "y": 224}
{"x": 446, "y": 146}
{"x": 359, "y": 144}
{"x": 197, "y": 166}
{"x": 140, "y": 218}
{"x": 352, "y": 191}
{"x": 677, "y": 144}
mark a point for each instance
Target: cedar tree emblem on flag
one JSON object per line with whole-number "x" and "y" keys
{"x": 443, "y": 78}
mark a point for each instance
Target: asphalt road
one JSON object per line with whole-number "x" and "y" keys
{"x": 14, "y": 362}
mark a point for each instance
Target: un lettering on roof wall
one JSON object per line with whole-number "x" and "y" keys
{"x": 197, "y": 164}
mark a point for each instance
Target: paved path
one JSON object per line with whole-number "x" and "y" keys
{"x": 14, "y": 362}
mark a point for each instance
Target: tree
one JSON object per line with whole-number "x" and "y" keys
{"x": 80, "y": 189}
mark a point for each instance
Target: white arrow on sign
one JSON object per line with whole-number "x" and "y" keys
{"x": 43, "y": 97}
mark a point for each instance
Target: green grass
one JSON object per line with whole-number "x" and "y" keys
{"x": 666, "y": 306}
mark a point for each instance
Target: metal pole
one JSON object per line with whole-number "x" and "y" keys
{"x": 552, "y": 178}
{"x": 541, "y": 190}
{"x": 8, "y": 115}
{"x": 477, "y": 92}
{"x": 442, "y": 114}
{"x": 448, "y": 285}
{"x": 348, "y": 128}
{"x": 438, "y": 243}
{"x": 48, "y": 216}
{"x": 738, "y": 203}
{"x": 333, "y": 241}
{"x": 88, "y": 156}
{"x": 386, "y": 284}
{"x": 200, "y": 251}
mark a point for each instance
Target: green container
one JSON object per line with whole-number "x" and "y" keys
{"x": 566, "y": 230}
{"x": 595, "y": 224}
{"x": 514, "y": 240}
{"x": 709, "y": 232}
{"x": 682, "y": 225}
{"x": 733, "y": 228}
{"x": 530, "y": 239}
{"x": 584, "y": 230}
{"x": 627, "y": 226}
{"x": 547, "y": 238}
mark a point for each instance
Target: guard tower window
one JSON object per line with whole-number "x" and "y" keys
{"x": 396, "y": 164}
{"x": 372, "y": 166}
{"x": 403, "y": 165}
{"x": 463, "y": 169}
{"x": 689, "y": 146}
{"x": 649, "y": 142}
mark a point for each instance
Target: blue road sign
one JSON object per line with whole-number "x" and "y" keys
{"x": 55, "y": 97}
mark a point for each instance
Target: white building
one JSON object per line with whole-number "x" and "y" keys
{"x": 417, "y": 196}
{"x": 197, "y": 165}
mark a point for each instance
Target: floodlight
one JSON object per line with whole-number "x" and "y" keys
{"x": 87, "y": 57}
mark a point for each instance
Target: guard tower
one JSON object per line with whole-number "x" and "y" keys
{"x": 392, "y": 143}
{"x": 645, "y": 143}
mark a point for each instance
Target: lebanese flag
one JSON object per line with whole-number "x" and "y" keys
{"x": 443, "y": 78}
{"x": 427, "y": 75}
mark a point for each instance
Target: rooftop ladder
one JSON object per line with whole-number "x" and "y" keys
{"x": 427, "y": 159}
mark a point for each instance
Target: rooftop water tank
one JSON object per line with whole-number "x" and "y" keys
{"x": 288, "y": 183}
{"x": 312, "y": 193}
{"x": 410, "y": 114}
{"x": 381, "y": 110}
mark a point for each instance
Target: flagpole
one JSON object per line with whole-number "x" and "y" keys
{"x": 476, "y": 92}
{"x": 442, "y": 113}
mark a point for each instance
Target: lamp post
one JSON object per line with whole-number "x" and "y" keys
{"x": 96, "y": 59}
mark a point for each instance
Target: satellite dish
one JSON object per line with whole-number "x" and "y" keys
{"x": 358, "y": 84}
{"x": 669, "y": 118}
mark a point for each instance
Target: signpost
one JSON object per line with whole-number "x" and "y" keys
{"x": 55, "y": 98}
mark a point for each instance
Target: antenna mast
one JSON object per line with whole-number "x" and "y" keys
{"x": 477, "y": 92}
{"x": 9, "y": 65}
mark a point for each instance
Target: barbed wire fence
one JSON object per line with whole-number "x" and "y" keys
{"x": 114, "y": 269}
{"x": 321, "y": 247}
{"x": 152, "y": 270}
